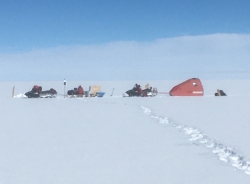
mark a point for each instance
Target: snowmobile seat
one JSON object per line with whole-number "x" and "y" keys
{"x": 31, "y": 94}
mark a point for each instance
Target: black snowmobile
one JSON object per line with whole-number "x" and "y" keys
{"x": 145, "y": 93}
{"x": 37, "y": 92}
{"x": 133, "y": 92}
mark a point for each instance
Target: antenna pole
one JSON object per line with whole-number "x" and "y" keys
{"x": 65, "y": 84}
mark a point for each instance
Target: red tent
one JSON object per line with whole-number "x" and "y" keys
{"x": 191, "y": 87}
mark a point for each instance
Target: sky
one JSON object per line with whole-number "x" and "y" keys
{"x": 28, "y": 27}
{"x": 39, "y": 24}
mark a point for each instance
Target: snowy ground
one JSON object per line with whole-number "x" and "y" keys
{"x": 125, "y": 140}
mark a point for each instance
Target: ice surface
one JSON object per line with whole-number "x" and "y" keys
{"x": 125, "y": 140}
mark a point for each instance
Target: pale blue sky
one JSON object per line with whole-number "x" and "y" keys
{"x": 29, "y": 24}
{"x": 124, "y": 40}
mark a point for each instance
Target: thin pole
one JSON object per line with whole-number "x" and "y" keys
{"x": 13, "y": 91}
{"x": 64, "y": 83}
{"x": 112, "y": 92}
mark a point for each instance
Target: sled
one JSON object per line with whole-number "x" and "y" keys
{"x": 75, "y": 96}
{"x": 47, "y": 94}
{"x": 147, "y": 94}
{"x": 191, "y": 87}
{"x": 100, "y": 94}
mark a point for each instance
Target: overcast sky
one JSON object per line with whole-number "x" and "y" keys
{"x": 124, "y": 40}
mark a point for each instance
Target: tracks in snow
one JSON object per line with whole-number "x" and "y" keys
{"x": 224, "y": 153}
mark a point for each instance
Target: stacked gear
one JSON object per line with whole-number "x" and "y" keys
{"x": 76, "y": 92}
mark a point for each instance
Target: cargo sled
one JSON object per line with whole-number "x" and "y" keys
{"x": 79, "y": 92}
{"x": 191, "y": 87}
{"x": 96, "y": 92}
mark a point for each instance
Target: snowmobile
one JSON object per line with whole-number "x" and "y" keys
{"x": 134, "y": 93}
{"x": 41, "y": 94}
{"x": 32, "y": 94}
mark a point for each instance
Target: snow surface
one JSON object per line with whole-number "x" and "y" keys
{"x": 114, "y": 139}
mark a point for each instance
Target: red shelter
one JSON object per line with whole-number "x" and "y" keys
{"x": 191, "y": 87}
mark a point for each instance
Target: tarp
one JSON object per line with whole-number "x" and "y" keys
{"x": 95, "y": 89}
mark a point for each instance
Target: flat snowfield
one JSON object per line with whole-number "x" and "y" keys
{"x": 115, "y": 139}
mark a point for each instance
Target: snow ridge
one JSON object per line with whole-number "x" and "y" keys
{"x": 224, "y": 153}
{"x": 20, "y": 96}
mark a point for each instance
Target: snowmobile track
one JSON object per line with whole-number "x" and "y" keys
{"x": 224, "y": 153}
